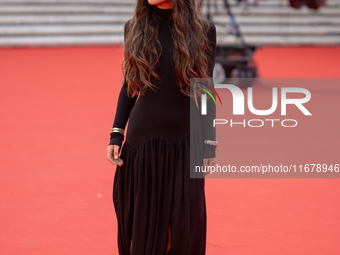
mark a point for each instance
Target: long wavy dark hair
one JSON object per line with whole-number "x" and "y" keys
{"x": 141, "y": 56}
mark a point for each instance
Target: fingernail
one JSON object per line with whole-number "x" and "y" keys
{"x": 116, "y": 157}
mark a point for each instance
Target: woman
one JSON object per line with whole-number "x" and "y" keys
{"x": 159, "y": 208}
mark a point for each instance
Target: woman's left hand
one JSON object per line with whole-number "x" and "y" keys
{"x": 208, "y": 162}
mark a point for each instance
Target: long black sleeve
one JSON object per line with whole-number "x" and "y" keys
{"x": 124, "y": 106}
{"x": 207, "y": 120}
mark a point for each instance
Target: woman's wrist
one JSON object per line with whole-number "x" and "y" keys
{"x": 116, "y": 138}
{"x": 209, "y": 151}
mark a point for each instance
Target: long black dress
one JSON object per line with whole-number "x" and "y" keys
{"x": 153, "y": 190}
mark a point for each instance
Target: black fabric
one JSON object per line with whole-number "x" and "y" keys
{"x": 167, "y": 109}
{"x": 124, "y": 107}
{"x": 153, "y": 188}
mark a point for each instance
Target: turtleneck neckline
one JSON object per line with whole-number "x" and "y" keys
{"x": 165, "y": 14}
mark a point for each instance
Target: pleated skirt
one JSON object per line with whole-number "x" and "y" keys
{"x": 153, "y": 190}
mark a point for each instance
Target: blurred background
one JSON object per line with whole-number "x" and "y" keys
{"x": 100, "y": 22}
{"x": 243, "y": 26}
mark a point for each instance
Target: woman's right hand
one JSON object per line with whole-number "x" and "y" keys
{"x": 112, "y": 155}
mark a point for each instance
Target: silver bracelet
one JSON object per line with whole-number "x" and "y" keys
{"x": 117, "y": 130}
{"x": 211, "y": 142}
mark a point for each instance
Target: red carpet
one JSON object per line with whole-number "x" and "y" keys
{"x": 57, "y": 108}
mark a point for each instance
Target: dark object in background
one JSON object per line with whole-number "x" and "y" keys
{"x": 233, "y": 61}
{"x": 297, "y": 3}
{"x": 237, "y": 62}
{"x": 312, "y": 4}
